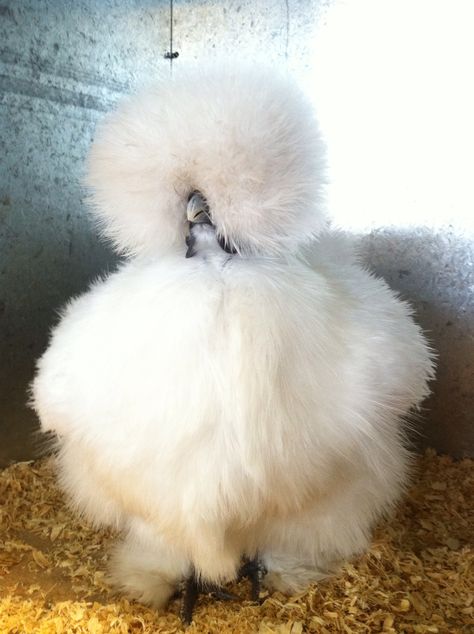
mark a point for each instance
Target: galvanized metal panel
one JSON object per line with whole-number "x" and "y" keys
{"x": 62, "y": 65}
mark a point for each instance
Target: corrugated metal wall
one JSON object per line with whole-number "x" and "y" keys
{"x": 62, "y": 65}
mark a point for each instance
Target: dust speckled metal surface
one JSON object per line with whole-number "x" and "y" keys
{"x": 434, "y": 270}
{"x": 62, "y": 66}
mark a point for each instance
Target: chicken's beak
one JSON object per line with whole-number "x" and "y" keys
{"x": 197, "y": 210}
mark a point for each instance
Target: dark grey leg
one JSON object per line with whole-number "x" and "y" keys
{"x": 190, "y": 596}
{"x": 254, "y": 571}
{"x": 192, "y": 589}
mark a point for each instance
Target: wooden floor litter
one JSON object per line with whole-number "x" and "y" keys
{"x": 417, "y": 577}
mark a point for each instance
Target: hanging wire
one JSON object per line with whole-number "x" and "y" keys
{"x": 287, "y": 42}
{"x": 171, "y": 55}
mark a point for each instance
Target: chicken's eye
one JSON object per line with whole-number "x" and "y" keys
{"x": 228, "y": 248}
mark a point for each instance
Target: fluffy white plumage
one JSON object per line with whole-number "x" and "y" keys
{"x": 212, "y": 407}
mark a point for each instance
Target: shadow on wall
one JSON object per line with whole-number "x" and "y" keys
{"x": 47, "y": 256}
{"x": 434, "y": 271}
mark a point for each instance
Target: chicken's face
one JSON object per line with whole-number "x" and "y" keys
{"x": 202, "y": 235}
{"x": 243, "y": 142}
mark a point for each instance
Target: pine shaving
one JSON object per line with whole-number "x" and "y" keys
{"x": 417, "y": 577}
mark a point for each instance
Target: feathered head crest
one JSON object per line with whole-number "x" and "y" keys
{"x": 245, "y": 137}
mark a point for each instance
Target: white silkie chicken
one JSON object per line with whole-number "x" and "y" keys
{"x": 246, "y": 400}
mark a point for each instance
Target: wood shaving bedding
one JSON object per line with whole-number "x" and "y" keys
{"x": 417, "y": 577}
